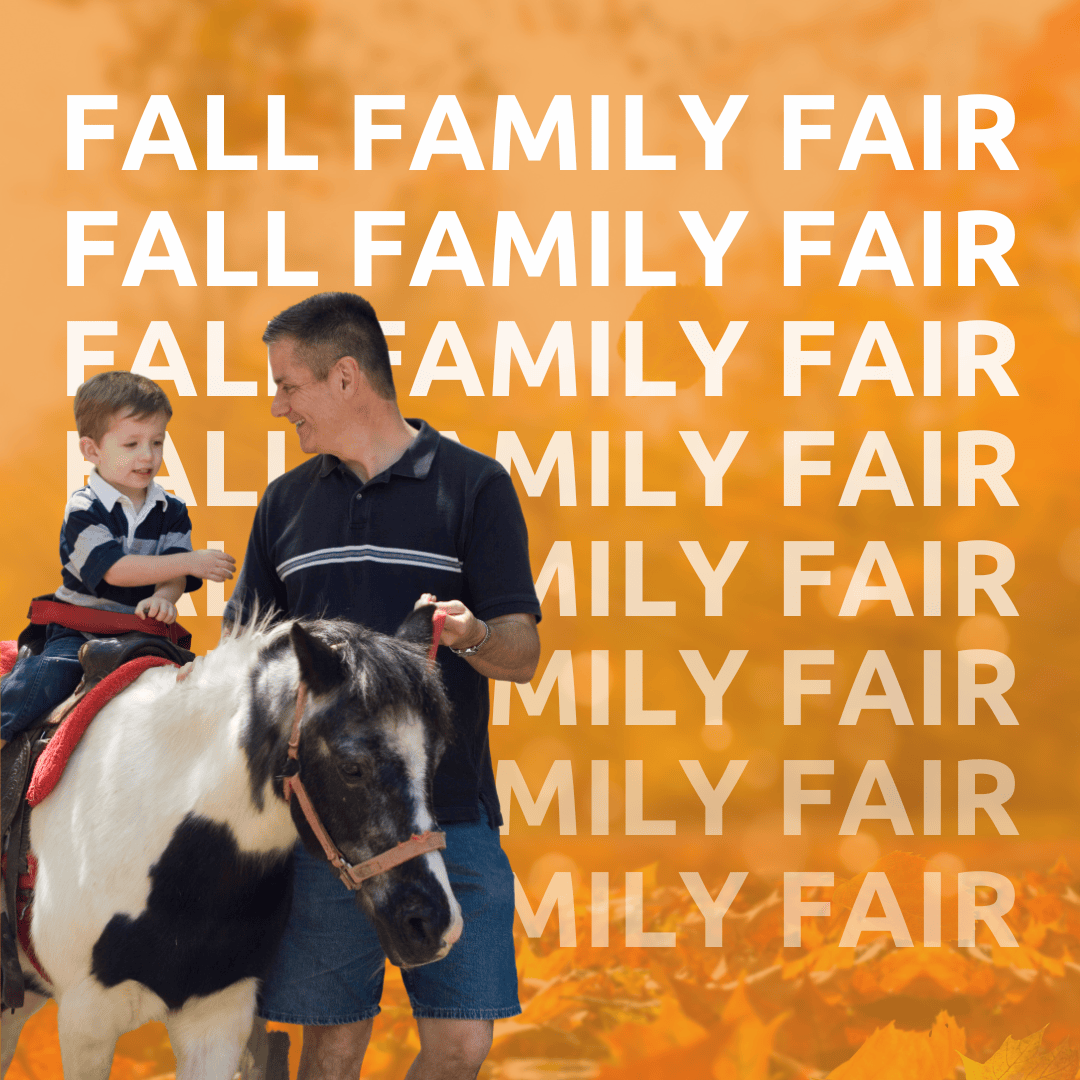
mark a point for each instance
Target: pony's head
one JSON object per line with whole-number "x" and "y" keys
{"x": 374, "y": 727}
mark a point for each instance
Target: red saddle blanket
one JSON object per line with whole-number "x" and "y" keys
{"x": 50, "y": 766}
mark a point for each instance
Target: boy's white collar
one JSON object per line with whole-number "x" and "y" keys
{"x": 109, "y": 495}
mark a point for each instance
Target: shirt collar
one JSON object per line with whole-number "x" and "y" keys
{"x": 414, "y": 463}
{"x": 109, "y": 496}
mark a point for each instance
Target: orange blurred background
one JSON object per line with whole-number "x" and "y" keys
{"x": 318, "y": 55}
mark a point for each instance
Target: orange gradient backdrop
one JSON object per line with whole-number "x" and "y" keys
{"x": 318, "y": 55}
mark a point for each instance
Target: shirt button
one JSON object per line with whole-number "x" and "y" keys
{"x": 359, "y": 496}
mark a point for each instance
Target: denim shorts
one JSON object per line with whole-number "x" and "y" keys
{"x": 329, "y": 966}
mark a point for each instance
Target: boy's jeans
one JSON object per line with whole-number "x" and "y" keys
{"x": 37, "y": 684}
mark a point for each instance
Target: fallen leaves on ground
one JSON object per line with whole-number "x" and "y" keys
{"x": 753, "y": 1009}
{"x": 756, "y": 1010}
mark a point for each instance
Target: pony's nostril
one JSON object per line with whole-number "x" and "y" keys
{"x": 419, "y": 928}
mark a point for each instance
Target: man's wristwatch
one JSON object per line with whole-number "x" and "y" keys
{"x": 472, "y": 650}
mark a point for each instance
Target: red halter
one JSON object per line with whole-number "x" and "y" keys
{"x": 352, "y": 877}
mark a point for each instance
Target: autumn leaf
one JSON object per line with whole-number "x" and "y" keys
{"x": 535, "y": 970}
{"x": 950, "y": 971}
{"x": 1045, "y": 910}
{"x": 664, "y": 1030}
{"x": 1025, "y": 1059}
{"x": 948, "y": 1042}
{"x": 688, "y": 1061}
{"x": 1061, "y": 871}
{"x": 828, "y": 957}
{"x": 1024, "y": 957}
{"x": 889, "y": 1054}
{"x": 905, "y": 874}
{"x": 746, "y": 1049}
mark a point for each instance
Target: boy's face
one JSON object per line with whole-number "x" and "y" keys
{"x": 128, "y": 455}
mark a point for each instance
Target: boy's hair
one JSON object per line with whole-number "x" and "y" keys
{"x": 99, "y": 399}
{"x": 328, "y": 326}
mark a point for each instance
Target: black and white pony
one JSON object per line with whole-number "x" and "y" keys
{"x": 164, "y": 853}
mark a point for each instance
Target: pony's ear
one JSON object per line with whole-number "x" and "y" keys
{"x": 320, "y": 667}
{"x": 417, "y": 626}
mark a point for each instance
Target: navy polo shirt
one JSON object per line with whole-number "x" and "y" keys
{"x": 442, "y": 519}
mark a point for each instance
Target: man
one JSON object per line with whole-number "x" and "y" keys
{"x": 390, "y": 514}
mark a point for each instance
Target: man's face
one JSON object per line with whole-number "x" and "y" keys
{"x": 308, "y": 404}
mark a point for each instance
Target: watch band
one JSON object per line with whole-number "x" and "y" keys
{"x": 472, "y": 650}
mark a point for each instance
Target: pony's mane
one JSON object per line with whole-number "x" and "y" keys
{"x": 259, "y": 623}
{"x": 374, "y": 662}
{"x": 222, "y": 671}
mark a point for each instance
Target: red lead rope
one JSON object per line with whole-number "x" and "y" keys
{"x": 352, "y": 877}
{"x": 438, "y": 620}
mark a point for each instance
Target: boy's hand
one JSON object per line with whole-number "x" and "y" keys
{"x": 212, "y": 565}
{"x": 156, "y": 607}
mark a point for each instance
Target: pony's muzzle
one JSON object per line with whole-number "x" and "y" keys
{"x": 425, "y": 934}
{"x": 416, "y": 925}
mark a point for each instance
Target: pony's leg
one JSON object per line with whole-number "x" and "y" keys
{"x": 255, "y": 1053}
{"x": 11, "y": 1025}
{"x": 266, "y": 1056}
{"x": 209, "y": 1033}
{"x": 89, "y": 1019}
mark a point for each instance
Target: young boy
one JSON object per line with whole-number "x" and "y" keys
{"x": 125, "y": 544}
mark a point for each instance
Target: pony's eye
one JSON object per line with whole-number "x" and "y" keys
{"x": 354, "y": 768}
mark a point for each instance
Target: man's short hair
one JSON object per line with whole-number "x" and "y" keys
{"x": 101, "y": 398}
{"x": 328, "y": 326}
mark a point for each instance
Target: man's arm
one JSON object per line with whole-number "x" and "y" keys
{"x": 512, "y": 649}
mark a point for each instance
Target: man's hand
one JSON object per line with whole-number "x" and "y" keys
{"x": 211, "y": 565}
{"x": 156, "y": 607}
{"x": 511, "y": 651}
{"x": 462, "y": 628}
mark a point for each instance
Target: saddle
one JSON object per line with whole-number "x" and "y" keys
{"x": 99, "y": 657}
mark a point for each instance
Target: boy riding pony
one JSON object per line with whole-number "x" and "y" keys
{"x": 125, "y": 545}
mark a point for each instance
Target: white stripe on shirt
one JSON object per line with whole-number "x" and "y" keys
{"x": 369, "y": 553}
{"x": 86, "y": 543}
